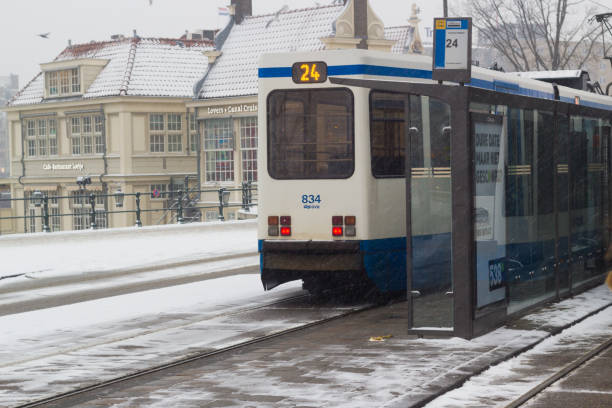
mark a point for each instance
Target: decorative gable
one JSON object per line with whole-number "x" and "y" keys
{"x": 347, "y": 35}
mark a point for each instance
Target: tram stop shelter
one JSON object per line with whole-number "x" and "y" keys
{"x": 508, "y": 199}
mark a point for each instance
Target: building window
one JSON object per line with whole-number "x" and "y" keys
{"x": 158, "y": 191}
{"x": 193, "y": 134}
{"x": 63, "y": 83}
{"x": 54, "y": 212}
{"x": 174, "y": 143}
{"x": 165, "y": 127}
{"x": 99, "y": 134}
{"x": 76, "y": 85}
{"x": 52, "y": 89}
{"x": 81, "y": 209}
{"x": 32, "y": 212}
{"x": 218, "y": 145}
{"x": 41, "y": 137}
{"x": 87, "y": 134}
{"x": 248, "y": 146}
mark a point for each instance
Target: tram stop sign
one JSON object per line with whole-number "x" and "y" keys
{"x": 452, "y": 52}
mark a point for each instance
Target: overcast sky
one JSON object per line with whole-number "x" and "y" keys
{"x": 85, "y": 20}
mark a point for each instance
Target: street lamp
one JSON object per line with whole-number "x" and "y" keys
{"x": 119, "y": 197}
{"x": 83, "y": 181}
{"x": 223, "y": 201}
{"x": 37, "y": 197}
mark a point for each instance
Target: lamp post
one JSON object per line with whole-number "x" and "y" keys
{"x": 92, "y": 213}
{"x": 45, "y": 214}
{"x": 179, "y": 213}
{"x": 138, "y": 221}
{"x": 223, "y": 201}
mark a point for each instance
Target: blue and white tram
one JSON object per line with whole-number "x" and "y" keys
{"x": 332, "y": 203}
{"x": 332, "y": 206}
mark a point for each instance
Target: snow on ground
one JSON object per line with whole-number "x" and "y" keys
{"x": 507, "y": 381}
{"x": 53, "y": 350}
{"x": 76, "y": 252}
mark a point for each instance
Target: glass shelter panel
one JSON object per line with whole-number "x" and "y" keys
{"x": 587, "y": 217}
{"x": 539, "y": 203}
{"x": 431, "y": 213}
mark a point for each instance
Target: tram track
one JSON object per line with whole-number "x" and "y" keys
{"x": 81, "y": 392}
{"x": 560, "y": 374}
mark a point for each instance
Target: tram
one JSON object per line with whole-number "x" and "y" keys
{"x": 333, "y": 151}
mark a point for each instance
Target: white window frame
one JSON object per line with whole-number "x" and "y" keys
{"x": 248, "y": 148}
{"x": 86, "y": 134}
{"x": 165, "y": 132}
{"x": 41, "y": 137}
{"x": 219, "y": 150}
{"x": 65, "y": 82}
{"x": 193, "y": 133}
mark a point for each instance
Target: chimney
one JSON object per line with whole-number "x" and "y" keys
{"x": 243, "y": 8}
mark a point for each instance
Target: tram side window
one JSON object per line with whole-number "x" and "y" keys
{"x": 310, "y": 134}
{"x": 387, "y": 133}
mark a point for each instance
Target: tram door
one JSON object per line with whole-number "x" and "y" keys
{"x": 430, "y": 287}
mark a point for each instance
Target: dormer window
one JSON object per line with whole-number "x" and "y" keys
{"x": 63, "y": 83}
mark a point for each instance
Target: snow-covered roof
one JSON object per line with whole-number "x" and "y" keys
{"x": 136, "y": 67}
{"x": 565, "y": 73}
{"x": 235, "y": 71}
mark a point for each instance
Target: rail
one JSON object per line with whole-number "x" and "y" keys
{"x": 92, "y": 209}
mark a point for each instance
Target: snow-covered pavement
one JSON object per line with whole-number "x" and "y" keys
{"x": 55, "y": 257}
{"x": 505, "y": 382}
{"x": 49, "y": 351}
{"x": 53, "y": 350}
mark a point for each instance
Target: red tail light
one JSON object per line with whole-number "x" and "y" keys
{"x": 285, "y": 220}
{"x": 285, "y": 231}
{"x": 337, "y": 231}
{"x": 337, "y": 220}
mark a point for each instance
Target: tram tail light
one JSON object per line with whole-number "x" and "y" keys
{"x": 273, "y": 225}
{"x": 285, "y": 220}
{"x": 337, "y": 220}
{"x": 285, "y": 231}
{"x": 337, "y": 231}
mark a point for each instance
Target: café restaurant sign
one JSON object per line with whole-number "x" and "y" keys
{"x": 63, "y": 166}
{"x": 231, "y": 109}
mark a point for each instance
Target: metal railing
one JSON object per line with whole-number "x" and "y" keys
{"x": 177, "y": 203}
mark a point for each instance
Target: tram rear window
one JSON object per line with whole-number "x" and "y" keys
{"x": 310, "y": 134}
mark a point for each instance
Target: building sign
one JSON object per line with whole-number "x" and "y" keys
{"x": 224, "y": 110}
{"x": 63, "y": 166}
{"x": 452, "y": 49}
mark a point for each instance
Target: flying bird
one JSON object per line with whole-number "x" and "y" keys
{"x": 44, "y": 35}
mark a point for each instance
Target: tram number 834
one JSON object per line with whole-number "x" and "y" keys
{"x": 311, "y": 198}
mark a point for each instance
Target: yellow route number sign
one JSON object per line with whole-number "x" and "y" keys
{"x": 309, "y": 72}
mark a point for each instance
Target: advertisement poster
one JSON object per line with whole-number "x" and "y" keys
{"x": 489, "y": 225}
